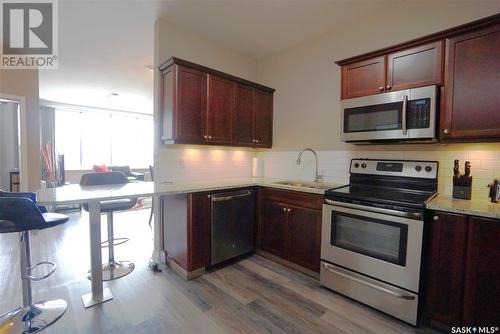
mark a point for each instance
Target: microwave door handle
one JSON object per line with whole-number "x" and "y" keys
{"x": 403, "y": 120}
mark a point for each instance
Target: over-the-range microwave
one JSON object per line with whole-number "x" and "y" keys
{"x": 400, "y": 116}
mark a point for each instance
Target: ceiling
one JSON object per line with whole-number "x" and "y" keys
{"x": 104, "y": 46}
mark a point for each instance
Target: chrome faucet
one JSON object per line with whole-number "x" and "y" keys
{"x": 318, "y": 178}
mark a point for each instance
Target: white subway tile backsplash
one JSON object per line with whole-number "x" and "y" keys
{"x": 334, "y": 165}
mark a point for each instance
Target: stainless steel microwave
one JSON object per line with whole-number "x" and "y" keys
{"x": 404, "y": 115}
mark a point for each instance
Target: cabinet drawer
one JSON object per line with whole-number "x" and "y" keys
{"x": 302, "y": 199}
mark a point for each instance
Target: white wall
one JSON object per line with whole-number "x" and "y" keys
{"x": 307, "y": 81}
{"x": 24, "y": 83}
{"x": 307, "y": 98}
{"x": 179, "y": 162}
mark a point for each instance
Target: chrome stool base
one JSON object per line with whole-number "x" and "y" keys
{"x": 115, "y": 270}
{"x": 33, "y": 318}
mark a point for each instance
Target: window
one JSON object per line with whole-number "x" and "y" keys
{"x": 88, "y": 138}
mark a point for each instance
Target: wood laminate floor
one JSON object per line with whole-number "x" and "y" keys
{"x": 254, "y": 295}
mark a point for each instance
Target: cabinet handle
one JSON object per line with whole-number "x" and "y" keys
{"x": 205, "y": 136}
{"x": 446, "y": 131}
{"x": 284, "y": 209}
{"x": 381, "y": 88}
{"x": 209, "y": 137}
{"x": 256, "y": 140}
{"x": 289, "y": 210}
{"x": 388, "y": 87}
{"x": 435, "y": 218}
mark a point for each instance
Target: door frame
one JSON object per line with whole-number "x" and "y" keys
{"x": 23, "y": 136}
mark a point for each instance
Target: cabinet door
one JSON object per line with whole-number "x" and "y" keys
{"x": 446, "y": 267}
{"x": 415, "y": 67}
{"x": 471, "y": 96}
{"x": 482, "y": 275}
{"x": 362, "y": 78}
{"x": 166, "y": 103}
{"x": 219, "y": 115}
{"x": 263, "y": 118}
{"x": 243, "y": 116}
{"x": 190, "y": 105}
{"x": 198, "y": 230}
{"x": 273, "y": 228}
{"x": 304, "y": 237}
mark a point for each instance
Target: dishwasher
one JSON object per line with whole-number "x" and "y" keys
{"x": 232, "y": 224}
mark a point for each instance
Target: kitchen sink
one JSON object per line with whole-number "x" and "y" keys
{"x": 302, "y": 184}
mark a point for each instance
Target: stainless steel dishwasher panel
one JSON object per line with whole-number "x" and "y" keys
{"x": 232, "y": 224}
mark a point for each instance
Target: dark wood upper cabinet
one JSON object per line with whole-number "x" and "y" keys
{"x": 243, "y": 123}
{"x": 482, "y": 275}
{"x": 183, "y": 103}
{"x": 446, "y": 267}
{"x": 273, "y": 228}
{"x": 471, "y": 106}
{"x": 366, "y": 77}
{"x": 415, "y": 67}
{"x": 199, "y": 105}
{"x": 219, "y": 116}
{"x": 304, "y": 237}
{"x": 253, "y": 117}
{"x": 263, "y": 119}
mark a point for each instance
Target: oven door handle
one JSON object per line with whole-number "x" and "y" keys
{"x": 368, "y": 284}
{"x": 412, "y": 215}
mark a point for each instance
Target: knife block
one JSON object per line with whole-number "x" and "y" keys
{"x": 462, "y": 187}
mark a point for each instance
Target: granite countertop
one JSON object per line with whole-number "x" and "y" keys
{"x": 474, "y": 207}
{"x": 75, "y": 193}
{"x": 190, "y": 187}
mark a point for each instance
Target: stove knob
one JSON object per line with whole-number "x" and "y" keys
{"x": 356, "y": 165}
{"x": 428, "y": 169}
{"x": 363, "y": 165}
{"x": 418, "y": 168}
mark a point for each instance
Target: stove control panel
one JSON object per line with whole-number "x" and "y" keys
{"x": 416, "y": 169}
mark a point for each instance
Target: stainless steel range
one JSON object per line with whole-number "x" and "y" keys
{"x": 371, "y": 242}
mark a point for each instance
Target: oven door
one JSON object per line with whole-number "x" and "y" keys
{"x": 383, "y": 246}
{"x": 400, "y": 115}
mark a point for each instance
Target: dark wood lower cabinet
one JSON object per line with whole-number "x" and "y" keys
{"x": 273, "y": 228}
{"x": 482, "y": 275}
{"x": 304, "y": 237}
{"x": 463, "y": 272}
{"x": 290, "y": 226}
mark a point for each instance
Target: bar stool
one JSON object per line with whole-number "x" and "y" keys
{"x": 18, "y": 214}
{"x": 113, "y": 269}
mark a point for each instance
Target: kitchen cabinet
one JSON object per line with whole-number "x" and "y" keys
{"x": 253, "y": 117}
{"x": 274, "y": 217}
{"x": 218, "y": 118}
{"x": 199, "y": 105}
{"x": 290, "y": 226}
{"x": 463, "y": 276}
{"x": 183, "y": 102}
{"x": 408, "y": 68}
{"x": 263, "y": 119}
{"x": 304, "y": 237}
{"x": 415, "y": 67}
{"x": 482, "y": 275}
{"x": 446, "y": 267}
{"x": 361, "y": 78}
{"x": 471, "y": 98}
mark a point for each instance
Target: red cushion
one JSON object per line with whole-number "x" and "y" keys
{"x": 101, "y": 169}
